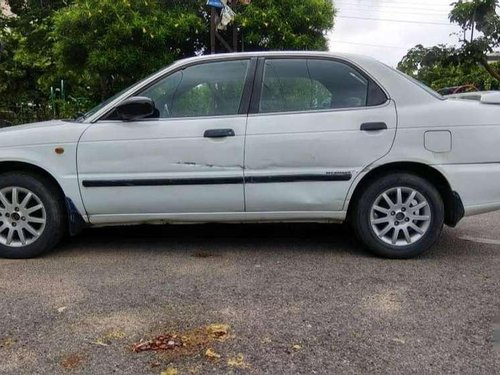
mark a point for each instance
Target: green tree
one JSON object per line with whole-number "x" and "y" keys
{"x": 107, "y": 44}
{"x": 26, "y": 49}
{"x": 480, "y": 25}
{"x": 480, "y": 35}
{"x": 100, "y": 46}
{"x": 110, "y": 44}
{"x": 433, "y": 67}
{"x": 286, "y": 24}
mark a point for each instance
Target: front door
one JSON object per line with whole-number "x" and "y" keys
{"x": 188, "y": 159}
{"x": 315, "y": 124}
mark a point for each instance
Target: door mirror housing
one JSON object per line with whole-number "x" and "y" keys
{"x": 492, "y": 98}
{"x": 135, "y": 108}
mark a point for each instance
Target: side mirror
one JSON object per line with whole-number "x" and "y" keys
{"x": 492, "y": 98}
{"x": 135, "y": 108}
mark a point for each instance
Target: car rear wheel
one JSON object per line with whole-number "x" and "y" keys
{"x": 32, "y": 215}
{"x": 399, "y": 216}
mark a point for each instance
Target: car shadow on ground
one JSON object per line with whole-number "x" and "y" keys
{"x": 217, "y": 238}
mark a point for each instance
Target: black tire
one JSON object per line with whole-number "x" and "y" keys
{"x": 361, "y": 215}
{"x": 55, "y": 214}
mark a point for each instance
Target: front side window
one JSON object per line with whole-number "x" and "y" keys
{"x": 210, "y": 89}
{"x": 309, "y": 85}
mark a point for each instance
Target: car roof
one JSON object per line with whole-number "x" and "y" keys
{"x": 233, "y": 55}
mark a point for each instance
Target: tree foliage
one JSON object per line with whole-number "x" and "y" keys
{"x": 431, "y": 66}
{"x": 467, "y": 64}
{"x": 26, "y": 49}
{"x": 109, "y": 43}
{"x": 101, "y": 46}
{"x": 480, "y": 25}
{"x": 286, "y": 24}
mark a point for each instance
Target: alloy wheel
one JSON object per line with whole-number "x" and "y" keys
{"x": 22, "y": 216}
{"x": 400, "y": 216}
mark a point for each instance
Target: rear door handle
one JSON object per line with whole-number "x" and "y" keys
{"x": 218, "y": 133}
{"x": 373, "y": 126}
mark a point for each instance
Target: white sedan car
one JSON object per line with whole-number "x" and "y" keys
{"x": 257, "y": 137}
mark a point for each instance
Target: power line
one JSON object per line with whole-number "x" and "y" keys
{"x": 410, "y": 11}
{"x": 393, "y": 7}
{"x": 396, "y": 17}
{"x": 368, "y": 44}
{"x": 394, "y": 20}
{"x": 409, "y": 14}
{"x": 395, "y": 4}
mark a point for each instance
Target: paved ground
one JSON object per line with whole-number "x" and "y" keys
{"x": 299, "y": 299}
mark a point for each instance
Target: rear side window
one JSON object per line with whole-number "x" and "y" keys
{"x": 311, "y": 85}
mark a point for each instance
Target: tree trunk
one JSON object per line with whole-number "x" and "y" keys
{"x": 490, "y": 69}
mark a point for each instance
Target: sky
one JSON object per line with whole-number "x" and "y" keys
{"x": 387, "y": 29}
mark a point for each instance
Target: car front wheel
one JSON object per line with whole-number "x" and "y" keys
{"x": 32, "y": 215}
{"x": 399, "y": 215}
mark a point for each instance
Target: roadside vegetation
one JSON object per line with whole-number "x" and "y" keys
{"x": 443, "y": 66}
{"x": 61, "y": 57}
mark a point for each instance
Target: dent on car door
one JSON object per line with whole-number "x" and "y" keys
{"x": 314, "y": 124}
{"x": 188, "y": 159}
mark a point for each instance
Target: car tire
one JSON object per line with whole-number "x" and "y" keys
{"x": 399, "y": 215}
{"x": 32, "y": 215}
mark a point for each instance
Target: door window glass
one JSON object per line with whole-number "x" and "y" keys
{"x": 209, "y": 89}
{"x": 309, "y": 85}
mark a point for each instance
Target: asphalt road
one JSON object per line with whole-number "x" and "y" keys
{"x": 297, "y": 299}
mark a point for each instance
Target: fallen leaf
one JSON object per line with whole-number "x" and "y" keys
{"x": 108, "y": 338}
{"x": 297, "y": 347}
{"x": 170, "y": 371}
{"x": 114, "y": 335}
{"x": 238, "y": 362}
{"x": 195, "y": 369}
{"x": 5, "y": 343}
{"x": 162, "y": 342}
{"x": 218, "y": 331}
{"x": 100, "y": 343}
{"x": 266, "y": 340}
{"x": 212, "y": 354}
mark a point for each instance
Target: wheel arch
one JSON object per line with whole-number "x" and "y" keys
{"x": 11, "y": 166}
{"x": 454, "y": 209}
{"x": 74, "y": 219}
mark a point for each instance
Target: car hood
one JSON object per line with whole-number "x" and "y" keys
{"x": 47, "y": 132}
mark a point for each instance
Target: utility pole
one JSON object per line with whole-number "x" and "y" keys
{"x": 473, "y": 26}
{"x": 217, "y": 38}
{"x": 213, "y": 29}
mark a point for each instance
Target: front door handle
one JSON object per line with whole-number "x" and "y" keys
{"x": 218, "y": 133}
{"x": 373, "y": 126}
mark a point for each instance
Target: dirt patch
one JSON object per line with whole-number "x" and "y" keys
{"x": 18, "y": 361}
{"x": 110, "y": 327}
{"x": 72, "y": 361}
{"x": 388, "y": 301}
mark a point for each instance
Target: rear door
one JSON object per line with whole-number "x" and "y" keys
{"x": 314, "y": 124}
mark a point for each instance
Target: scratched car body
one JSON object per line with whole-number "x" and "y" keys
{"x": 257, "y": 137}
